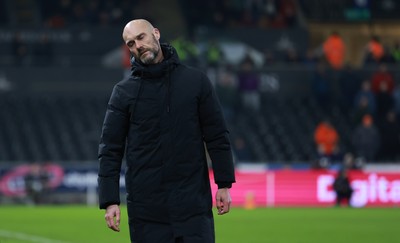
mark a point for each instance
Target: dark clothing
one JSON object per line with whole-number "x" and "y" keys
{"x": 390, "y": 137}
{"x": 366, "y": 142}
{"x": 343, "y": 196}
{"x": 248, "y": 81}
{"x": 196, "y": 229}
{"x": 164, "y": 113}
{"x": 343, "y": 189}
{"x": 385, "y": 103}
{"x": 35, "y": 186}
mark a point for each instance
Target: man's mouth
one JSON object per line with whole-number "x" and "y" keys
{"x": 144, "y": 52}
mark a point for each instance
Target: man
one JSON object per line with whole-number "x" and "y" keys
{"x": 342, "y": 187}
{"x": 163, "y": 114}
{"x": 326, "y": 138}
{"x": 334, "y": 49}
{"x": 36, "y": 184}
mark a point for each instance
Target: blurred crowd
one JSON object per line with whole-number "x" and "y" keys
{"x": 374, "y": 52}
{"x": 246, "y": 13}
{"x": 219, "y": 14}
{"x": 374, "y": 100}
{"x": 64, "y": 13}
{"x": 375, "y": 127}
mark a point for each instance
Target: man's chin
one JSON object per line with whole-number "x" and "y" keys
{"x": 148, "y": 60}
{"x": 146, "y": 57}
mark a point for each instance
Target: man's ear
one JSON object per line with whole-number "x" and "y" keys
{"x": 157, "y": 33}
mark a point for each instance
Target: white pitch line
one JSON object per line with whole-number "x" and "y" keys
{"x": 27, "y": 237}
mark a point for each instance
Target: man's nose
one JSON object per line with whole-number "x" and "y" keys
{"x": 139, "y": 45}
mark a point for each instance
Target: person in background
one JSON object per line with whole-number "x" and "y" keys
{"x": 362, "y": 108}
{"x": 334, "y": 50}
{"x": 214, "y": 54}
{"x": 366, "y": 139}
{"x": 349, "y": 82}
{"x": 374, "y": 51}
{"x": 352, "y": 163}
{"x": 322, "y": 85}
{"x": 385, "y": 103}
{"x": 342, "y": 188}
{"x": 382, "y": 75}
{"x": 364, "y": 103}
{"x": 327, "y": 140}
{"x": 186, "y": 49}
{"x": 248, "y": 83}
{"x": 160, "y": 119}
{"x": 36, "y": 184}
{"x": 227, "y": 91}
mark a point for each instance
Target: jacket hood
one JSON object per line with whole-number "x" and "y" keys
{"x": 170, "y": 61}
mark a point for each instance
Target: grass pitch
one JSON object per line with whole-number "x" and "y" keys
{"x": 80, "y": 224}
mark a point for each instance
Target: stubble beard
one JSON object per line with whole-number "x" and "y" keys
{"x": 149, "y": 58}
{"x": 151, "y": 54}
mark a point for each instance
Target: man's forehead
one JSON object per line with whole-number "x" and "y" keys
{"x": 135, "y": 28}
{"x": 132, "y": 33}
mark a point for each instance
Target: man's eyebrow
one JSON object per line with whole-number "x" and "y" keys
{"x": 136, "y": 37}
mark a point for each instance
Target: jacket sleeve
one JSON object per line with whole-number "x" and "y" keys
{"x": 216, "y": 135}
{"x": 111, "y": 150}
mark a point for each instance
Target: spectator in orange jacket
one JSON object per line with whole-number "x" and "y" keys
{"x": 326, "y": 138}
{"x": 334, "y": 50}
{"x": 375, "y": 52}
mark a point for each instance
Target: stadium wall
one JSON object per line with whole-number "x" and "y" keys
{"x": 376, "y": 186}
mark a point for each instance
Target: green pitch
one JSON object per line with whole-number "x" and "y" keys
{"x": 80, "y": 224}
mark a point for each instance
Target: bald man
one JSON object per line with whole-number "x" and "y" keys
{"x": 159, "y": 118}
{"x": 142, "y": 40}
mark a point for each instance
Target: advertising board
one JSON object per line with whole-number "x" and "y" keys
{"x": 263, "y": 188}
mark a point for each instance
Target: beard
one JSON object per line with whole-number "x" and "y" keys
{"x": 150, "y": 53}
{"x": 148, "y": 58}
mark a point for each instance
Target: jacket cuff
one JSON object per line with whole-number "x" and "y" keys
{"x": 108, "y": 192}
{"x": 224, "y": 185}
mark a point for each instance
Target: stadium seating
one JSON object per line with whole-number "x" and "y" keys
{"x": 283, "y": 131}
{"x": 50, "y": 128}
{"x": 68, "y": 128}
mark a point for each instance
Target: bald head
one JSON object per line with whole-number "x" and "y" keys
{"x": 142, "y": 40}
{"x": 138, "y": 25}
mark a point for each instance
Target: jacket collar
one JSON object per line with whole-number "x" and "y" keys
{"x": 158, "y": 70}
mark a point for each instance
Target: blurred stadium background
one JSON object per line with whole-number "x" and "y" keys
{"x": 276, "y": 67}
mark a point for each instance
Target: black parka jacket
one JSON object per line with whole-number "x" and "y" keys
{"x": 163, "y": 115}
